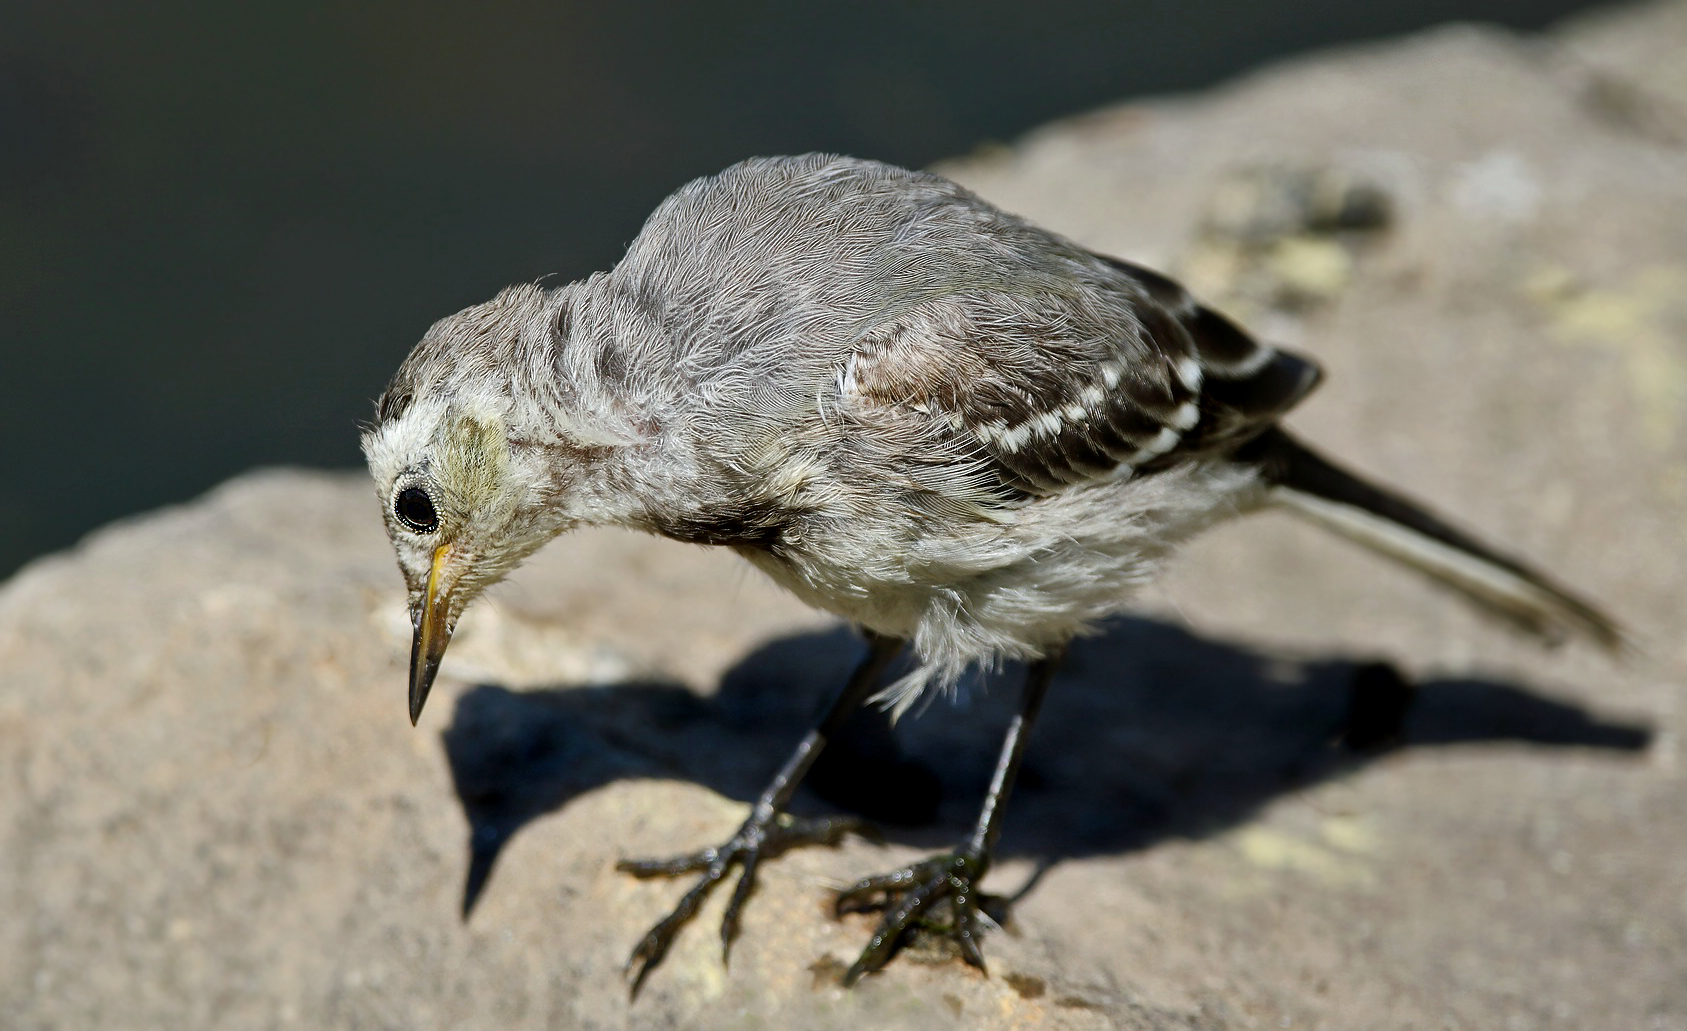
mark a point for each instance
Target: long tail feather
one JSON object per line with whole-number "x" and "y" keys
{"x": 1312, "y": 486}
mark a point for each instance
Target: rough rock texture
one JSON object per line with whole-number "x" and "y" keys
{"x": 215, "y": 814}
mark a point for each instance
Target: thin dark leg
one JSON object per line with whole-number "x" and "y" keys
{"x": 989, "y": 827}
{"x": 907, "y": 895}
{"x": 767, "y": 832}
{"x": 881, "y": 651}
{"x": 865, "y": 771}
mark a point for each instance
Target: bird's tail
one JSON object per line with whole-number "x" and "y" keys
{"x": 1312, "y": 486}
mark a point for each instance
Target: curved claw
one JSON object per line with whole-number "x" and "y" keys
{"x": 910, "y": 895}
{"x": 740, "y": 893}
{"x": 966, "y": 937}
{"x": 762, "y": 836}
{"x": 653, "y": 947}
{"x": 886, "y": 939}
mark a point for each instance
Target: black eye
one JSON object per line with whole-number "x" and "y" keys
{"x": 415, "y": 509}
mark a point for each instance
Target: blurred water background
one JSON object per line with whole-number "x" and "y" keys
{"x": 223, "y": 224}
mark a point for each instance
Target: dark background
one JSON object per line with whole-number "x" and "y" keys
{"x": 223, "y": 224}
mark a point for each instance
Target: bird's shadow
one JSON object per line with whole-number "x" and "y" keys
{"x": 1149, "y": 732}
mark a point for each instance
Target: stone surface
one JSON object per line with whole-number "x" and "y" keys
{"x": 213, "y": 811}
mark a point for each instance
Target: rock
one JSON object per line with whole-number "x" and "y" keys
{"x": 215, "y": 813}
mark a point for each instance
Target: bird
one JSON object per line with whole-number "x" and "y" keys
{"x": 968, "y": 436}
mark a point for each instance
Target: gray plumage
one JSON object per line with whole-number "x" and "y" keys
{"x": 934, "y": 419}
{"x": 930, "y": 417}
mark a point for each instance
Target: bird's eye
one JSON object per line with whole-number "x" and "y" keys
{"x": 415, "y": 509}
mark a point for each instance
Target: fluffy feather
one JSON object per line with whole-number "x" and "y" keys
{"x": 911, "y": 409}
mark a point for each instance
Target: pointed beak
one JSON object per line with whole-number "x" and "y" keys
{"x": 432, "y": 635}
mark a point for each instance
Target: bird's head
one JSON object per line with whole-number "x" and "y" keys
{"x": 463, "y": 506}
{"x": 471, "y": 481}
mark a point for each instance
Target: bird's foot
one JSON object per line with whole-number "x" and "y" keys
{"x": 937, "y": 896}
{"x": 763, "y": 836}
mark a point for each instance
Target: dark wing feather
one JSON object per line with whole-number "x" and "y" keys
{"x": 1053, "y": 394}
{"x": 1246, "y": 386}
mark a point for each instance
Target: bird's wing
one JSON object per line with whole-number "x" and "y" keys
{"x": 1050, "y": 396}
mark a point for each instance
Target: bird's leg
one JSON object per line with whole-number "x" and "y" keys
{"x": 911, "y": 896}
{"x": 767, "y": 832}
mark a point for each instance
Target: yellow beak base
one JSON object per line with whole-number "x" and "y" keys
{"x": 432, "y": 635}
